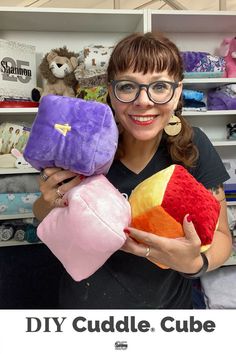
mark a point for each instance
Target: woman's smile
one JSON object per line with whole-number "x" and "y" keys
{"x": 146, "y": 119}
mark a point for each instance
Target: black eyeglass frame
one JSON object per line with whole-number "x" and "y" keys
{"x": 174, "y": 86}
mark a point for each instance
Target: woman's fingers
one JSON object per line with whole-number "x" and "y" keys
{"x": 55, "y": 183}
{"x": 57, "y": 176}
{"x": 190, "y": 231}
{"x": 179, "y": 253}
{"x": 131, "y": 246}
{"x": 61, "y": 200}
{"x": 145, "y": 237}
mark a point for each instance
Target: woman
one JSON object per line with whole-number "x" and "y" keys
{"x": 145, "y": 83}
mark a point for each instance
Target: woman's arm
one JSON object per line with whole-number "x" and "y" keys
{"x": 221, "y": 246}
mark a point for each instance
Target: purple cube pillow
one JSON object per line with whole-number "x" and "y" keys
{"x": 73, "y": 134}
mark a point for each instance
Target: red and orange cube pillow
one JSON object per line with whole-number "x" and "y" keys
{"x": 159, "y": 204}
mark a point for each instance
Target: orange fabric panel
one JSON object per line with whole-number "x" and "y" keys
{"x": 166, "y": 226}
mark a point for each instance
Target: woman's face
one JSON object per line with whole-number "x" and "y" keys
{"x": 142, "y": 118}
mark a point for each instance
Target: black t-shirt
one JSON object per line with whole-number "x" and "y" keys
{"x": 126, "y": 281}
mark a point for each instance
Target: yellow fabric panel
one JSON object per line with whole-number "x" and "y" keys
{"x": 150, "y": 192}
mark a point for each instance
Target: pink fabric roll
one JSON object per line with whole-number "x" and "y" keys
{"x": 87, "y": 232}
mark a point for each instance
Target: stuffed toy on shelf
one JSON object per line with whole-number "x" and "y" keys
{"x": 57, "y": 71}
{"x": 228, "y": 51}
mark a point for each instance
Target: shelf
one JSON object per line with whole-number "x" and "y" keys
{"x": 224, "y": 142}
{"x": 17, "y": 216}
{"x": 11, "y": 171}
{"x": 208, "y": 83}
{"x": 71, "y": 20}
{"x": 23, "y": 111}
{"x": 193, "y": 21}
{"x": 17, "y": 243}
{"x": 209, "y": 113}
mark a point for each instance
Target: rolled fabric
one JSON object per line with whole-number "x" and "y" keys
{"x": 31, "y": 234}
{"x": 74, "y": 134}
{"x": 19, "y": 234}
{"x": 6, "y": 232}
{"x": 159, "y": 204}
{"x": 89, "y": 230}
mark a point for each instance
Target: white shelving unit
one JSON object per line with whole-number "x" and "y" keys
{"x": 52, "y": 28}
{"x": 204, "y": 31}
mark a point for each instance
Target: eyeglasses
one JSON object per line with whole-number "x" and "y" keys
{"x": 160, "y": 92}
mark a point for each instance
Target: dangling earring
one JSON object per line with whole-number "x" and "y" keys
{"x": 174, "y": 126}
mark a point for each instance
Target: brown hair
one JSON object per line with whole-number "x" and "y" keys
{"x": 151, "y": 52}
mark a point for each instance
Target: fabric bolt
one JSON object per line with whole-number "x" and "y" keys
{"x": 202, "y": 62}
{"x": 218, "y": 100}
{"x": 19, "y": 234}
{"x": 93, "y": 62}
{"x": 25, "y": 183}
{"x": 193, "y": 94}
{"x": 17, "y": 203}
{"x": 194, "y": 105}
{"x": 31, "y": 234}
{"x": 6, "y": 232}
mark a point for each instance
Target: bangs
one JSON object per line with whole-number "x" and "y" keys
{"x": 143, "y": 53}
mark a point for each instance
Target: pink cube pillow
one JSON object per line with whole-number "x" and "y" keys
{"x": 87, "y": 232}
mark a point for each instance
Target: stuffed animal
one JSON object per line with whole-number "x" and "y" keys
{"x": 57, "y": 70}
{"x": 159, "y": 204}
{"x": 14, "y": 159}
{"x": 228, "y": 51}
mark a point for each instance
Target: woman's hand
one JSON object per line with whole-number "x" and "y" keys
{"x": 54, "y": 183}
{"x": 181, "y": 254}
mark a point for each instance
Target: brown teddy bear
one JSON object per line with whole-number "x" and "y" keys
{"x": 57, "y": 70}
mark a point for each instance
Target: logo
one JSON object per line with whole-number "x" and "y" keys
{"x": 127, "y": 324}
{"x": 15, "y": 70}
{"x": 121, "y": 345}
